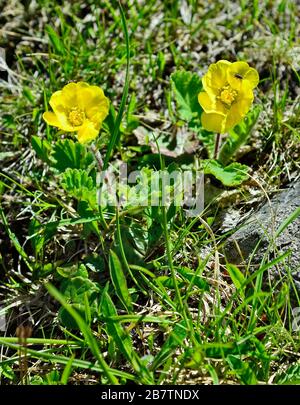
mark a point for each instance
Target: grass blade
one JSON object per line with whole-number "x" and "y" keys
{"x": 54, "y": 358}
{"x": 119, "y": 280}
{"x": 67, "y": 371}
{"x": 294, "y": 215}
{"x": 116, "y": 133}
{"x": 122, "y": 338}
{"x": 86, "y": 331}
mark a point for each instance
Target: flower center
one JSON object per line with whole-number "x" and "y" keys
{"x": 228, "y": 95}
{"x": 76, "y": 117}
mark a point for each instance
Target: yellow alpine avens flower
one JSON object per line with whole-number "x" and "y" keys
{"x": 80, "y": 108}
{"x": 227, "y": 94}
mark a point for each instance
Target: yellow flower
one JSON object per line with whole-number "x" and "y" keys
{"x": 80, "y": 108}
{"x": 227, "y": 94}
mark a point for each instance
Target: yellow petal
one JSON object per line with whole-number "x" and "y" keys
{"x": 58, "y": 120}
{"x": 70, "y": 92}
{"x": 81, "y": 85}
{"x": 92, "y": 100}
{"x": 69, "y": 95}
{"x": 97, "y": 117}
{"x": 51, "y": 119}
{"x": 210, "y": 103}
{"x": 56, "y": 100}
{"x": 85, "y": 97}
{"x": 243, "y": 101}
{"x": 239, "y": 67}
{"x": 213, "y": 122}
{"x": 205, "y": 101}
{"x": 216, "y": 77}
{"x": 252, "y": 77}
{"x": 99, "y": 110}
{"x": 237, "y": 112}
{"x": 240, "y": 74}
{"x": 87, "y": 132}
{"x": 232, "y": 120}
{"x": 58, "y": 104}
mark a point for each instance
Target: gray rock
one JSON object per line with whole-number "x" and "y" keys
{"x": 257, "y": 236}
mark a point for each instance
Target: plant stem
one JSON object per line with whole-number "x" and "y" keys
{"x": 98, "y": 157}
{"x": 217, "y": 145}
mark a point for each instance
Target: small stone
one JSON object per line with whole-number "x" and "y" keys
{"x": 259, "y": 232}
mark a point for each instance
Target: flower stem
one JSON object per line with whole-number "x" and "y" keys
{"x": 217, "y": 145}
{"x": 98, "y": 157}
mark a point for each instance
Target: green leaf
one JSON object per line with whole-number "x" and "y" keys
{"x": 239, "y": 135}
{"x": 161, "y": 62}
{"x": 36, "y": 380}
{"x": 86, "y": 331}
{"x": 236, "y": 276}
{"x": 37, "y": 238}
{"x": 195, "y": 357}
{"x": 69, "y": 154}
{"x": 115, "y": 330}
{"x": 189, "y": 275}
{"x": 85, "y": 211}
{"x": 119, "y": 280}
{"x": 121, "y": 337}
{"x": 231, "y": 175}
{"x": 42, "y": 148}
{"x": 81, "y": 293}
{"x": 132, "y": 120}
{"x": 110, "y": 121}
{"x": 80, "y": 185}
{"x": 154, "y": 224}
{"x": 134, "y": 241}
{"x": 52, "y": 378}
{"x": 75, "y": 180}
{"x": 66, "y": 319}
{"x": 7, "y": 371}
{"x": 74, "y": 288}
{"x": 290, "y": 376}
{"x": 55, "y": 40}
{"x": 167, "y": 282}
{"x": 186, "y": 87}
{"x": 174, "y": 340}
{"x": 242, "y": 369}
{"x": 72, "y": 271}
{"x": 40, "y": 235}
